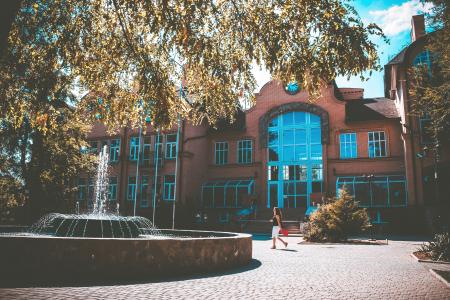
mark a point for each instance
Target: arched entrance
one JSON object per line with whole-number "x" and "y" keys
{"x": 294, "y": 162}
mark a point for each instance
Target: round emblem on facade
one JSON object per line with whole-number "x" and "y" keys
{"x": 292, "y": 88}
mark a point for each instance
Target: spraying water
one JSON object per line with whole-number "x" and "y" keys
{"x": 101, "y": 183}
{"x": 99, "y": 221}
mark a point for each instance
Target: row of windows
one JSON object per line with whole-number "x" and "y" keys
{"x": 379, "y": 191}
{"x": 244, "y": 151}
{"x": 86, "y": 189}
{"x": 147, "y": 189}
{"x": 377, "y": 144}
{"x": 160, "y": 150}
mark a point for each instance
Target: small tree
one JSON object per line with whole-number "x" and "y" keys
{"x": 336, "y": 221}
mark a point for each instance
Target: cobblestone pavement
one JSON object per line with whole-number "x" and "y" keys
{"x": 304, "y": 271}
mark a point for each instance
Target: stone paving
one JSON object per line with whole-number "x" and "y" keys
{"x": 305, "y": 271}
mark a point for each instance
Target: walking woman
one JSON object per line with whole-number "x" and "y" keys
{"x": 277, "y": 226}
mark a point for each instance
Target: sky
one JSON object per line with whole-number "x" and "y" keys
{"x": 394, "y": 17}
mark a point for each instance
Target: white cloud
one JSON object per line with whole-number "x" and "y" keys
{"x": 397, "y": 19}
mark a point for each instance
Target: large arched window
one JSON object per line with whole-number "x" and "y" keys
{"x": 294, "y": 159}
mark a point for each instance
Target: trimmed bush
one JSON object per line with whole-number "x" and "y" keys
{"x": 439, "y": 247}
{"x": 337, "y": 220}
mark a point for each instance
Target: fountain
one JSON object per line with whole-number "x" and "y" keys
{"x": 101, "y": 242}
{"x": 99, "y": 221}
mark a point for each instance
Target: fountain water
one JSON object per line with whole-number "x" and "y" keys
{"x": 99, "y": 221}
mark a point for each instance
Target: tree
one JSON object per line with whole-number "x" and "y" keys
{"x": 132, "y": 51}
{"x": 39, "y": 170}
{"x": 337, "y": 220}
{"x": 431, "y": 85}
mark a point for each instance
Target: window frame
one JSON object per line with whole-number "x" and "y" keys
{"x": 376, "y": 142}
{"x": 114, "y": 149}
{"x": 171, "y": 186}
{"x": 244, "y": 147}
{"x": 171, "y": 147}
{"x": 221, "y": 155}
{"x": 147, "y": 148}
{"x": 112, "y": 189}
{"x": 131, "y": 184}
{"x": 350, "y": 143}
{"x": 134, "y": 148}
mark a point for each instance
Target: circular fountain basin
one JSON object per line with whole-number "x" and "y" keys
{"x": 169, "y": 253}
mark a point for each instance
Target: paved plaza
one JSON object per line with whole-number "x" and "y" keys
{"x": 305, "y": 271}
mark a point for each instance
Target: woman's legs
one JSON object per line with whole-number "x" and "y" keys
{"x": 274, "y": 240}
{"x": 285, "y": 243}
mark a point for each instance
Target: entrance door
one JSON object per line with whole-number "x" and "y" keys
{"x": 294, "y": 159}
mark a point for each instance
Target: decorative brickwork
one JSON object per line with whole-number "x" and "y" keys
{"x": 288, "y": 107}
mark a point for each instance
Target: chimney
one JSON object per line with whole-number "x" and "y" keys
{"x": 417, "y": 27}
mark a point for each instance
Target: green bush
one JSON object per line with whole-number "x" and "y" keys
{"x": 337, "y": 220}
{"x": 439, "y": 247}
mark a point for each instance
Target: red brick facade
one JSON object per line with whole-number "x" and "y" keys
{"x": 341, "y": 110}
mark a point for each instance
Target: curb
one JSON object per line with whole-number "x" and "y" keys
{"x": 429, "y": 261}
{"x": 435, "y": 274}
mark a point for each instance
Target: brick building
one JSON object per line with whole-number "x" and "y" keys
{"x": 284, "y": 151}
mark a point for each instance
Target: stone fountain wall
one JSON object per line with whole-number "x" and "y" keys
{"x": 58, "y": 257}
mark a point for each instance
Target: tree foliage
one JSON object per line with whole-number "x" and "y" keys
{"x": 39, "y": 170}
{"x": 431, "y": 85}
{"x": 337, "y": 220}
{"x": 130, "y": 52}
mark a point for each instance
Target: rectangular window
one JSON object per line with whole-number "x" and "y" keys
{"x": 82, "y": 188}
{"x": 377, "y": 144}
{"x": 114, "y": 150}
{"x": 171, "y": 146}
{"x": 158, "y": 148}
{"x": 147, "y": 149}
{"x": 131, "y": 191}
{"x": 144, "y": 191}
{"x": 169, "y": 187}
{"x": 112, "y": 188}
{"x": 245, "y": 149}
{"x": 134, "y": 147}
{"x": 221, "y": 153}
{"x": 348, "y": 145}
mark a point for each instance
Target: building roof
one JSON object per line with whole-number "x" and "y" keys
{"x": 399, "y": 58}
{"x": 371, "y": 109}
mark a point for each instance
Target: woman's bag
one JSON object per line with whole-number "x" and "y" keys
{"x": 284, "y": 231}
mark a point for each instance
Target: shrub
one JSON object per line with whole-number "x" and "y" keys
{"x": 337, "y": 220}
{"x": 439, "y": 247}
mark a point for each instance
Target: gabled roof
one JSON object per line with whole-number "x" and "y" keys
{"x": 371, "y": 109}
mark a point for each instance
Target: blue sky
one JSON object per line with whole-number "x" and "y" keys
{"x": 394, "y": 17}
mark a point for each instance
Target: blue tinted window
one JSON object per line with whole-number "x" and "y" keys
{"x": 348, "y": 145}
{"x": 288, "y": 119}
